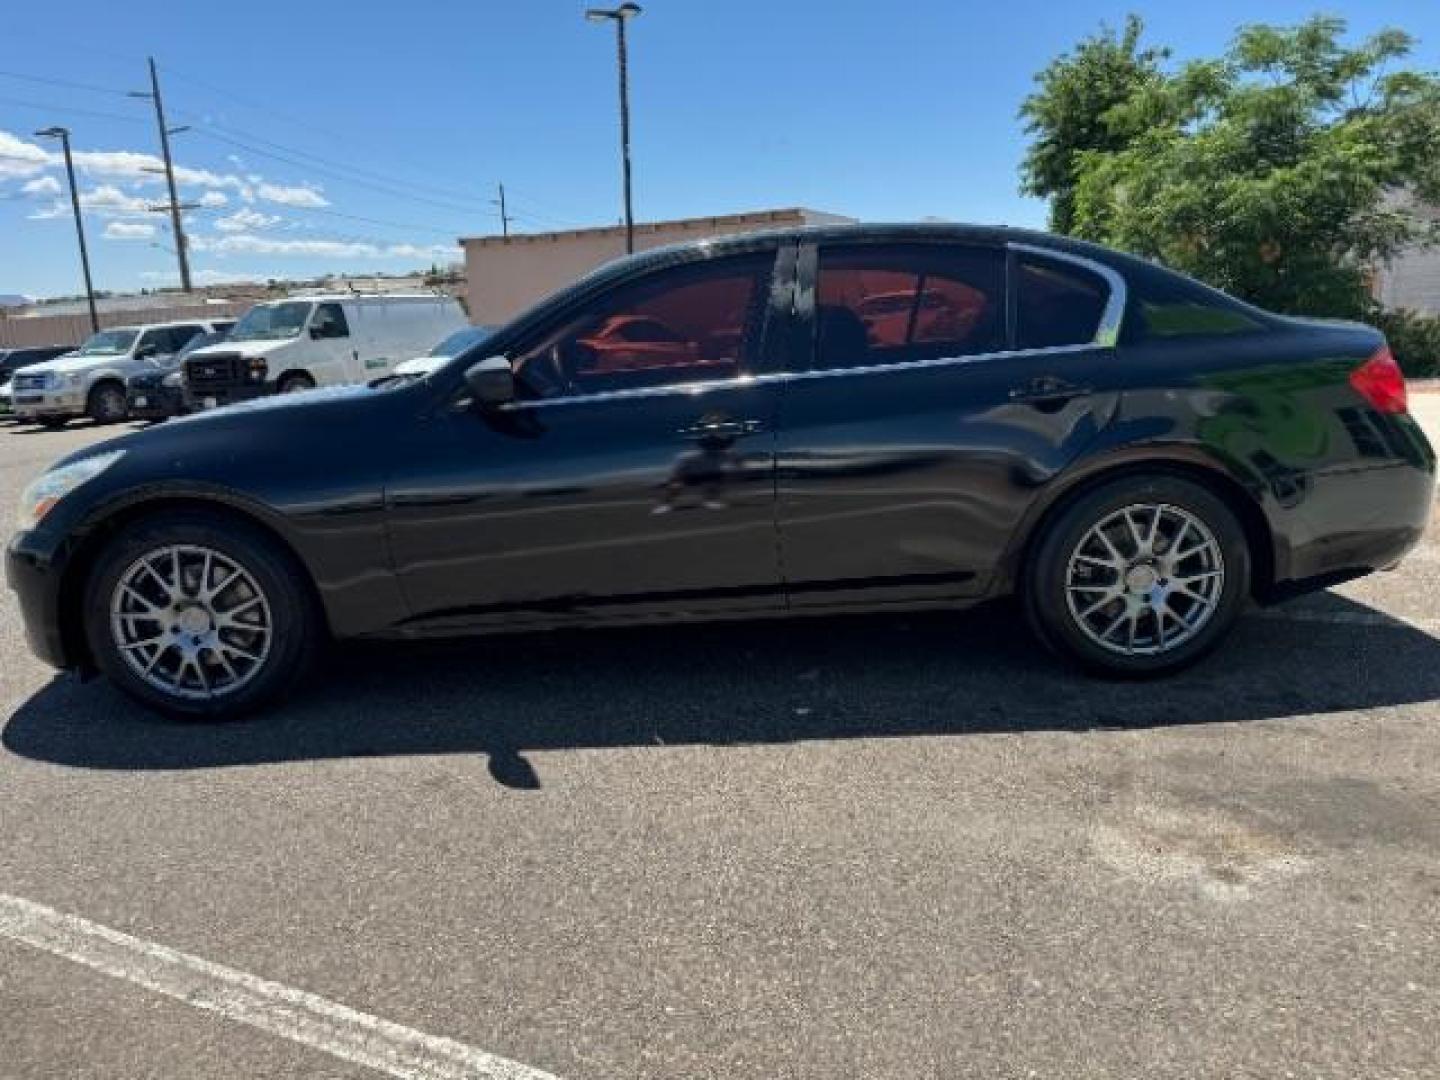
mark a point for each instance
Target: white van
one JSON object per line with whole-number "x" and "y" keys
{"x": 287, "y": 345}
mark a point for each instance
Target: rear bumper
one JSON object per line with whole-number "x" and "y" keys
{"x": 34, "y": 572}
{"x": 1353, "y": 521}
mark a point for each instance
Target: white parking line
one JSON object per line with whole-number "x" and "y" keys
{"x": 281, "y": 1010}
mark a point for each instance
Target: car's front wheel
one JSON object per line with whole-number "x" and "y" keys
{"x": 106, "y": 404}
{"x": 1141, "y": 576}
{"x": 199, "y": 616}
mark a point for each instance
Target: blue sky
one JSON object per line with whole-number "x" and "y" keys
{"x": 368, "y": 135}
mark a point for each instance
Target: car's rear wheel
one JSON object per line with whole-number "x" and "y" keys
{"x": 106, "y": 404}
{"x": 200, "y": 616}
{"x": 1139, "y": 577}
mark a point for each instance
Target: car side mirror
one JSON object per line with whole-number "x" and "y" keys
{"x": 318, "y": 331}
{"x": 491, "y": 382}
{"x": 147, "y": 352}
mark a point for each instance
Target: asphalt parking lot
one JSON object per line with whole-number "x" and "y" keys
{"x": 883, "y": 847}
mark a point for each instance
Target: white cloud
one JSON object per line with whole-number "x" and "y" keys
{"x": 245, "y": 219}
{"x": 295, "y": 195}
{"x": 41, "y": 185}
{"x": 213, "y": 200}
{"x": 250, "y": 244}
{"x": 19, "y": 158}
{"x": 109, "y": 201}
{"x": 129, "y": 230}
{"x": 207, "y": 277}
{"x": 421, "y": 251}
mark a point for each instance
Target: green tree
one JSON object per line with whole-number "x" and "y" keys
{"x": 1278, "y": 172}
{"x": 1069, "y": 112}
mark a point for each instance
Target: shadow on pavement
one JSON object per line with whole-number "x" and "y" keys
{"x": 764, "y": 682}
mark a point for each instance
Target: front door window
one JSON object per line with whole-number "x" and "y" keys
{"x": 695, "y": 324}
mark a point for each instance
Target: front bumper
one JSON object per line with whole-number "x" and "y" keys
{"x": 198, "y": 399}
{"x": 32, "y": 403}
{"x": 34, "y": 572}
{"x": 154, "y": 402}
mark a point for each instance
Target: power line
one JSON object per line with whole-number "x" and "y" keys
{"x": 47, "y": 81}
{"x": 370, "y": 174}
{"x": 48, "y": 107}
{"x": 385, "y": 189}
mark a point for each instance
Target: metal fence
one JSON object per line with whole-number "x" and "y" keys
{"x": 74, "y": 328}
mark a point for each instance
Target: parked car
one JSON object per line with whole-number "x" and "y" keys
{"x": 1134, "y": 454}
{"x": 91, "y": 380}
{"x": 12, "y": 360}
{"x": 453, "y": 345}
{"x": 160, "y": 394}
{"x": 299, "y": 344}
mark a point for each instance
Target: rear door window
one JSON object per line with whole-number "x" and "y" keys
{"x": 879, "y": 305}
{"x": 1057, "y": 303}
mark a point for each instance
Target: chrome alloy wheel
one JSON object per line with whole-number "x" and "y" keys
{"x": 1145, "y": 579}
{"x": 191, "y": 622}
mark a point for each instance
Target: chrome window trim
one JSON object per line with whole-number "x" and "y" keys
{"x": 695, "y": 389}
{"x": 1107, "y": 333}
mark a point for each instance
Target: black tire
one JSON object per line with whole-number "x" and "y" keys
{"x": 295, "y": 382}
{"x": 106, "y": 403}
{"x": 295, "y": 623}
{"x": 1044, "y": 587}
{"x": 53, "y": 423}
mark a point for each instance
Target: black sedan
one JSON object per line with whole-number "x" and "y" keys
{"x": 160, "y": 394}
{"x": 788, "y": 423}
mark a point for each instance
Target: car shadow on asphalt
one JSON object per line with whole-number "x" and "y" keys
{"x": 746, "y": 683}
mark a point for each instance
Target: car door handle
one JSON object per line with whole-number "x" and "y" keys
{"x": 721, "y": 429}
{"x": 1048, "y": 388}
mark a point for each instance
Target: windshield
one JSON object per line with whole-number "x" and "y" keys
{"x": 199, "y": 341}
{"x": 270, "y": 322}
{"x": 108, "y": 343}
{"x": 461, "y": 340}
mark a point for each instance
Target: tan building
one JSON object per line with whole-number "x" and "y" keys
{"x": 505, "y": 275}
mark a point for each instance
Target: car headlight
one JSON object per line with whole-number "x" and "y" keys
{"x": 40, "y": 497}
{"x": 173, "y": 380}
{"x": 76, "y": 380}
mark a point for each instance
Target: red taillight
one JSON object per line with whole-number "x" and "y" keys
{"x": 1380, "y": 382}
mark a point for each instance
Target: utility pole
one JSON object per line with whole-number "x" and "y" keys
{"x": 504, "y": 217}
{"x": 63, "y": 134}
{"x": 620, "y": 16}
{"x": 174, "y": 206}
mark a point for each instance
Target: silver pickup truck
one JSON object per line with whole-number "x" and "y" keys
{"x": 91, "y": 380}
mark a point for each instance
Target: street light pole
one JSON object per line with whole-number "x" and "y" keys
{"x": 620, "y": 16}
{"x": 63, "y": 134}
